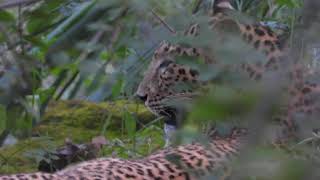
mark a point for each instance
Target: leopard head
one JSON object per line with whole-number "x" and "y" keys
{"x": 162, "y": 78}
{"x": 156, "y": 88}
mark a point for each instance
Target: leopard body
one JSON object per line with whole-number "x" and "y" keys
{"x": 184, "y": 162}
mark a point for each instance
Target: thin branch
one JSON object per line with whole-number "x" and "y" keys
{"x": 14, "y": 3}
{"x": 163, "y": 22}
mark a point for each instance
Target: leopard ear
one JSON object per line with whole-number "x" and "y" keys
{"x": 221, "y": 5}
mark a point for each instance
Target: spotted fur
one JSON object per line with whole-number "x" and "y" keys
{"x": 184, "y": 162}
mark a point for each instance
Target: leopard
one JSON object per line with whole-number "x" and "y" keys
{"x": 193, "y": 160}
{"x": 164, "y": 73}
{"x": 183, "y": 162}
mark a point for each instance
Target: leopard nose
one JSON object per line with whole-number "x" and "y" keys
{"x": 142, "y": 97}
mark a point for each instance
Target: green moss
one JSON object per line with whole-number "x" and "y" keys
{"x": 92, "y": 115}
{"x": 14, "y": 158}
{"x": 81, "y": 121}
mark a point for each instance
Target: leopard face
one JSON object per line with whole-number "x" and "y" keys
{"x": 163, "y": 74}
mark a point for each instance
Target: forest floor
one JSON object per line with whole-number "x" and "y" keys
{"x": 130, "y": 131}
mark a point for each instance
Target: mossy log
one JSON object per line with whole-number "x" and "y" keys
{"x": 81, "y": 121}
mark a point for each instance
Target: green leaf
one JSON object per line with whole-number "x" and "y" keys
{"x": 122, "y": 52}
{"x": 3, "y": 118}
{"x": 130, "y": 124}
{"x": 44, "y": 94}
{"x": 289, "y": 3}
{"x": 43, "y": 16}
{"x": 105, "y": 55}
{"x": 62, "y": 27}
{"x": 5, "y": 16}
{"x": 106, "y": 124}
{"x": 116, "y": 88}
{"x": 36, "y": 25}
{"x": 2, "y": 37}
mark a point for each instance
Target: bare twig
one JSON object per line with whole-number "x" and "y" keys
{"x": 163, "y": 22}
{"x": 14, "y": 3}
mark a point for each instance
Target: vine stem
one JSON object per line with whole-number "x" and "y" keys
{"x": 163, "y": 22}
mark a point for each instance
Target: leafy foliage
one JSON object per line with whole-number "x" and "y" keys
{"x": 97, "y": 50}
